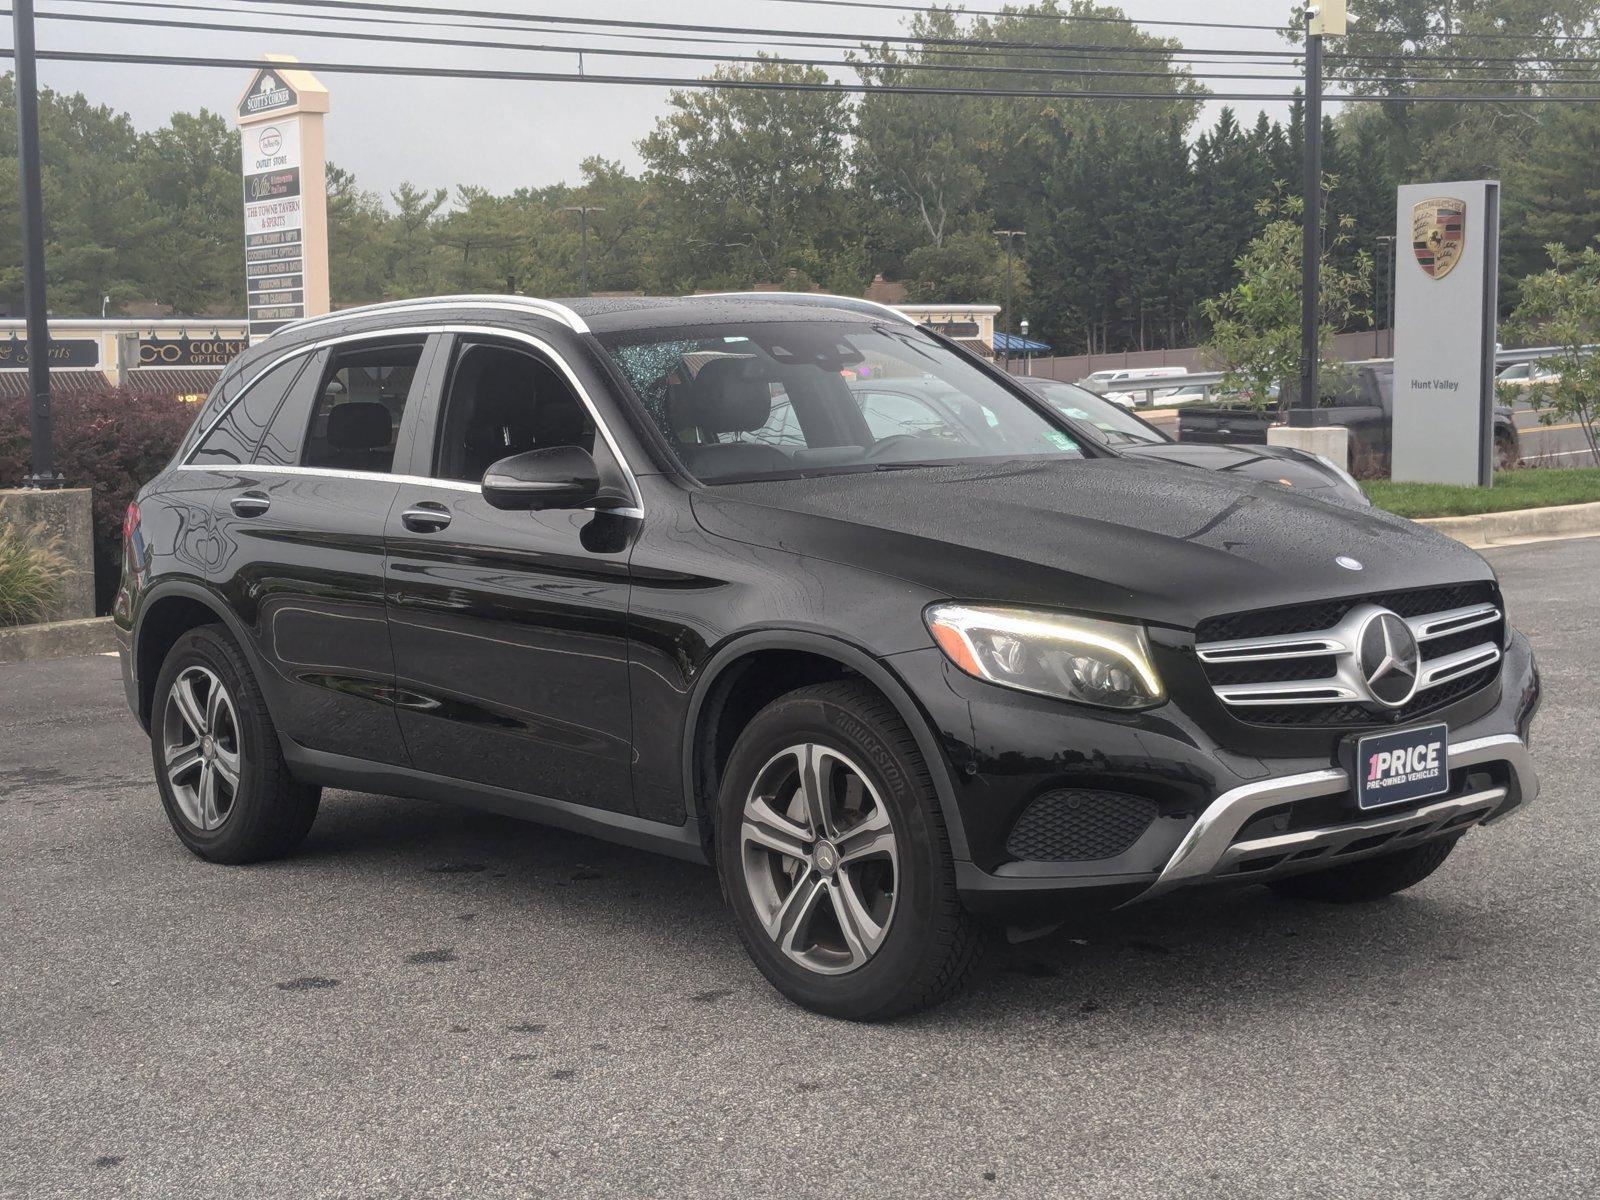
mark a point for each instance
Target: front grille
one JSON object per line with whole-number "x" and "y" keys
{"x": 1298, "y": 665}
{"x": 1080, "y": 825}
{"x": 1324, "y": 614}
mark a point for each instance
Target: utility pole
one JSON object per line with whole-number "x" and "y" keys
{"x": 1303, "y": 410}
{"x": 44, "y": 467}
{"x": 1006, "y": 235}
{"x": 583, "y": 211}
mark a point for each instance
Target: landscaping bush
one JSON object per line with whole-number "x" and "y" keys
{"x": 31, "y": 567}
{"x": 113, "y": 441}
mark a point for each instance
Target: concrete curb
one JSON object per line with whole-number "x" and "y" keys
{"x": 1522, "y": 525}
{"x": 57, "y": 639}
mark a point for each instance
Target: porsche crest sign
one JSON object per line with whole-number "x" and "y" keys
{"x": 1438, "y": 234}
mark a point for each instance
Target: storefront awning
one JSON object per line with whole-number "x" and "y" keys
{"x": 172, "y": 381}
{"x": 64, "y": 381}
{"x": 1010, "y": 343}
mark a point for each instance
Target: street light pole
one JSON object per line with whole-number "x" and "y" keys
{"x": 39, "y": 424}
{"x": 1006, "y": 235}
{"x": 583, "y": 211}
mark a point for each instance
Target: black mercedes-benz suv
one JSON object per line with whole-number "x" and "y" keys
{"x": 676, "y": 572}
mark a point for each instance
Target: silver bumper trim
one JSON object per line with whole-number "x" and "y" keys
{"x": 1203, "y": 850}
{"x": 1346, "y": 842}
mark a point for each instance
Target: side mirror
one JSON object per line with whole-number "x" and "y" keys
{"x": 555, "y": 477}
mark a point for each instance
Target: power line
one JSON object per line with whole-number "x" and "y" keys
{"x": 1036, "y": 16}
{"x": 976, "y": 48}
{"x": 602, "y": 51}
{"x": 864, "y": 68}
{"x": 910, "y": 39}
{"x": 679, "y": 27}
{"x": 981, "y": 50}
{"x": 725, "y": 84}
{"x": 666, "y": 31}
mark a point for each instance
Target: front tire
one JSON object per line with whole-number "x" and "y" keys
{"x": 1370, "y": 879}
{"x": 834, "y": 857}
{"x": 223, "y": 781}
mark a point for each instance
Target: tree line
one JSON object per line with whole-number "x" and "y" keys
{"x": 1135, "y": 215}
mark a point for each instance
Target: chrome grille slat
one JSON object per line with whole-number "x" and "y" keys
{"x": 1457, "y": 620}
{"x": 1268, "y": 649}
{"x": 1296, "y": 691}
{"x": 1439, "y": 671}
{"x": 1249, "y": 674}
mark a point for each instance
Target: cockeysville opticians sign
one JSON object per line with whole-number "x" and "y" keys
{"x": 189, "y": 352}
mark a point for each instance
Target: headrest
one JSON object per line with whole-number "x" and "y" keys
{"x": 729, "y": 397}
{"x": 358, "y": 425}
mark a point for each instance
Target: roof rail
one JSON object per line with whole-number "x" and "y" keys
{"x": 819, "y": 300}
{"x": 547, "y": 308}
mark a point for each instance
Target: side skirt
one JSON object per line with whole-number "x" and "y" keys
{"x": 357, "y": 774}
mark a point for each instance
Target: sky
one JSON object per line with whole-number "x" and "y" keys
{"x": 501, "y": 135}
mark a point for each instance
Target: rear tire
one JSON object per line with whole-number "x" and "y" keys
{"x": 862, "y": 920}
{"x": 1371, "y": 879}
{"x": 223, "y": 781}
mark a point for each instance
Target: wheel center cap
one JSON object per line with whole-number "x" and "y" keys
{"x": 207, "y": 746}
{"x": 827, "y": 858}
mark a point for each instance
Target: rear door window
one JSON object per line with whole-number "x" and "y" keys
{"x": 355, "y": 419}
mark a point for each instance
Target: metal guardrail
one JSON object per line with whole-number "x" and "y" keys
{"x": 1150, "y": 392}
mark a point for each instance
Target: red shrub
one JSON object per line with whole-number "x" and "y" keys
{"x": 113, "y": 441}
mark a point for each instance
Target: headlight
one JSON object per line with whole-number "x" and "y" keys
{"x": 1342, "y": 474}
{"x": 1105, "y": 663}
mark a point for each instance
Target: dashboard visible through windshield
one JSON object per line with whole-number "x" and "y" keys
{"x": 779, "y": 399}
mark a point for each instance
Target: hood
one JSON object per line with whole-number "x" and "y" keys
{"x": 1117, "y": 537}
{"x": 1282, "y": 465}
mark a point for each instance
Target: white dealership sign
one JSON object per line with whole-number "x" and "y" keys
{"x": 285, "y": 198}
{"x": 1446, "y": 298}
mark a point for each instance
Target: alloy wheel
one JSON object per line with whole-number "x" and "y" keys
{"x": 821, "y": 861}
{"x": 200, "y": 748}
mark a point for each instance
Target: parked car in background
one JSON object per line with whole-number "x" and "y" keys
{"x": 1523, "y": 376}
{"x": 1364, "y": 404}
{"x": 1105, "y": 383}
{"x": 1127, "y": 433}
{"x": 1189, "y": 393}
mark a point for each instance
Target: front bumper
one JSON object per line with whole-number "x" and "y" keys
{"x": 1225, "y": 807}
{"x": 1213, "y": 847}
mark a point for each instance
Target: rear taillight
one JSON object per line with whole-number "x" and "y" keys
{"x": 130, "y": 521}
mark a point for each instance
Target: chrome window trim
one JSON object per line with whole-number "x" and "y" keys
{"x": 454, "y": 485}
{"x": 506, "y": 301}
{"x": 328, "y": 473}
{"x": 1205, "y": 846}
{"x": 635, "y": 510}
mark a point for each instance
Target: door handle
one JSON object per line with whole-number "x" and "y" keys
{"x": 249, "y": 504}
{"x": 426, "y": 517}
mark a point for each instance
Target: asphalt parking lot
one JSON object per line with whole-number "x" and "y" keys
{"x": 428, "y": 1001}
